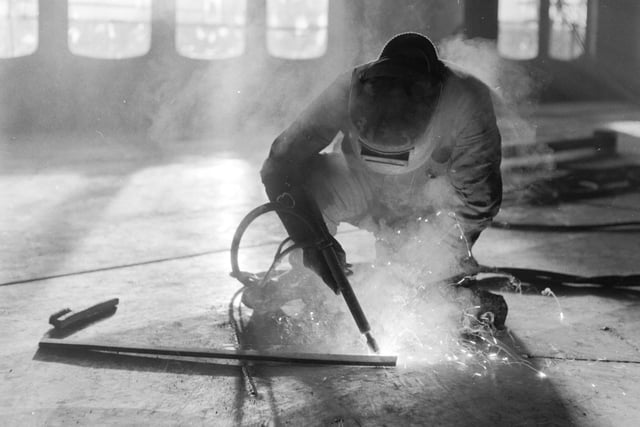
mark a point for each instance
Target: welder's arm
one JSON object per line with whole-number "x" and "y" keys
{"x": 475, "y": 172}
{"x": 285, "y": 172}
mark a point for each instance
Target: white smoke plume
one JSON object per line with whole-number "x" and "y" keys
{"x": 515, "y": 87}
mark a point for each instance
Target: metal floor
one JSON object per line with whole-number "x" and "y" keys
{"x": 88, "y": 219}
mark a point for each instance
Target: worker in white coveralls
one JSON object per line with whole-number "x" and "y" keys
{"x": 402, "y": 122}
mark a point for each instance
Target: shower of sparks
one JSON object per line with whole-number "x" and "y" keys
{"x": 475, "y": 347}
{"x": 419, "y": 338}
{"x": 411, "y": 311}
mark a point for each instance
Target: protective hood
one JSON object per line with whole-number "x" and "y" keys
{"x": 390, "y": 106}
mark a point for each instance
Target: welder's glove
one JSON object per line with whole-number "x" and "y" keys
{"x": 314, "y": 259}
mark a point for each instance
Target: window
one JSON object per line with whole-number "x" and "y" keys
{"x": 111, "y": 29}
{"x": 297, "y": 29}
{"x": 568, "y": 28}
{"x": 211, "y": 29}
{"x": 518, "y": 27}
{"x": 18, "y": 28}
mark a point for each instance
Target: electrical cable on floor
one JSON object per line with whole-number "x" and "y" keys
{"x": 580, "y": 359}
{"x": 246, "y": 374}
{"x": 610, "y": 226}
{"x": 236, "y": 305}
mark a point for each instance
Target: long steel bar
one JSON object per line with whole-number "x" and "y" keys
{"x": 235, "y": 354}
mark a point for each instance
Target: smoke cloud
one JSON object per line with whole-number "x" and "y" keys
{"x": 514, "y": 86}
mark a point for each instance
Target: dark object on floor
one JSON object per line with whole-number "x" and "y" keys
{"x": 483, "y": 306}
{"x": 494, "y": 304}
{"x": 67, "y": 319}
{"x": 284, "y": 287}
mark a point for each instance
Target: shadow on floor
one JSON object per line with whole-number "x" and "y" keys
{"x": 448, "y": 394}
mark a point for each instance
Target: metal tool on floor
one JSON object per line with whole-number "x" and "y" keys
{"x": 67, "y": 321}
{"x": 234, "y": 354}
{"x": 328, "y": 252}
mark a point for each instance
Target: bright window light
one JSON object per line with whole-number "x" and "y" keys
{"x": 211, "y": 29}
{"x": 18, "y": 28}
{"x": 568, "y": 28}
{"x": 518, "y": 26}
{"x": 297, "y": 29}
{"x": 110, "y": 29}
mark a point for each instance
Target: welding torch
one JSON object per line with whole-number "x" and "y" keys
{"x": 324, "y": 243}
{"x": 342, "y": 284}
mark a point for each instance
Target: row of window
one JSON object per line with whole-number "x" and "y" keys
{"x": 296, "y": 29}
{"x": 205, "y": 29}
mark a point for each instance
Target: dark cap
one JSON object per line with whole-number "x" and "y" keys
{"x": 410, "y": 45}
{"x": 405, "y": 55}
{"x": 392, "y": 98}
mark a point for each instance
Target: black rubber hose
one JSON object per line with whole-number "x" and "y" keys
{"x": 613, "y": 226}
{"x": 248, "y": 219}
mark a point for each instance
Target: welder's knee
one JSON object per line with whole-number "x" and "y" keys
{"x": 342, "y": 194}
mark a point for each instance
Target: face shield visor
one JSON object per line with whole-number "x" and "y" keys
{"x": 390, "y": 106}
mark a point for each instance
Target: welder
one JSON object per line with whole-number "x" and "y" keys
{"x": 417, "y": 141}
